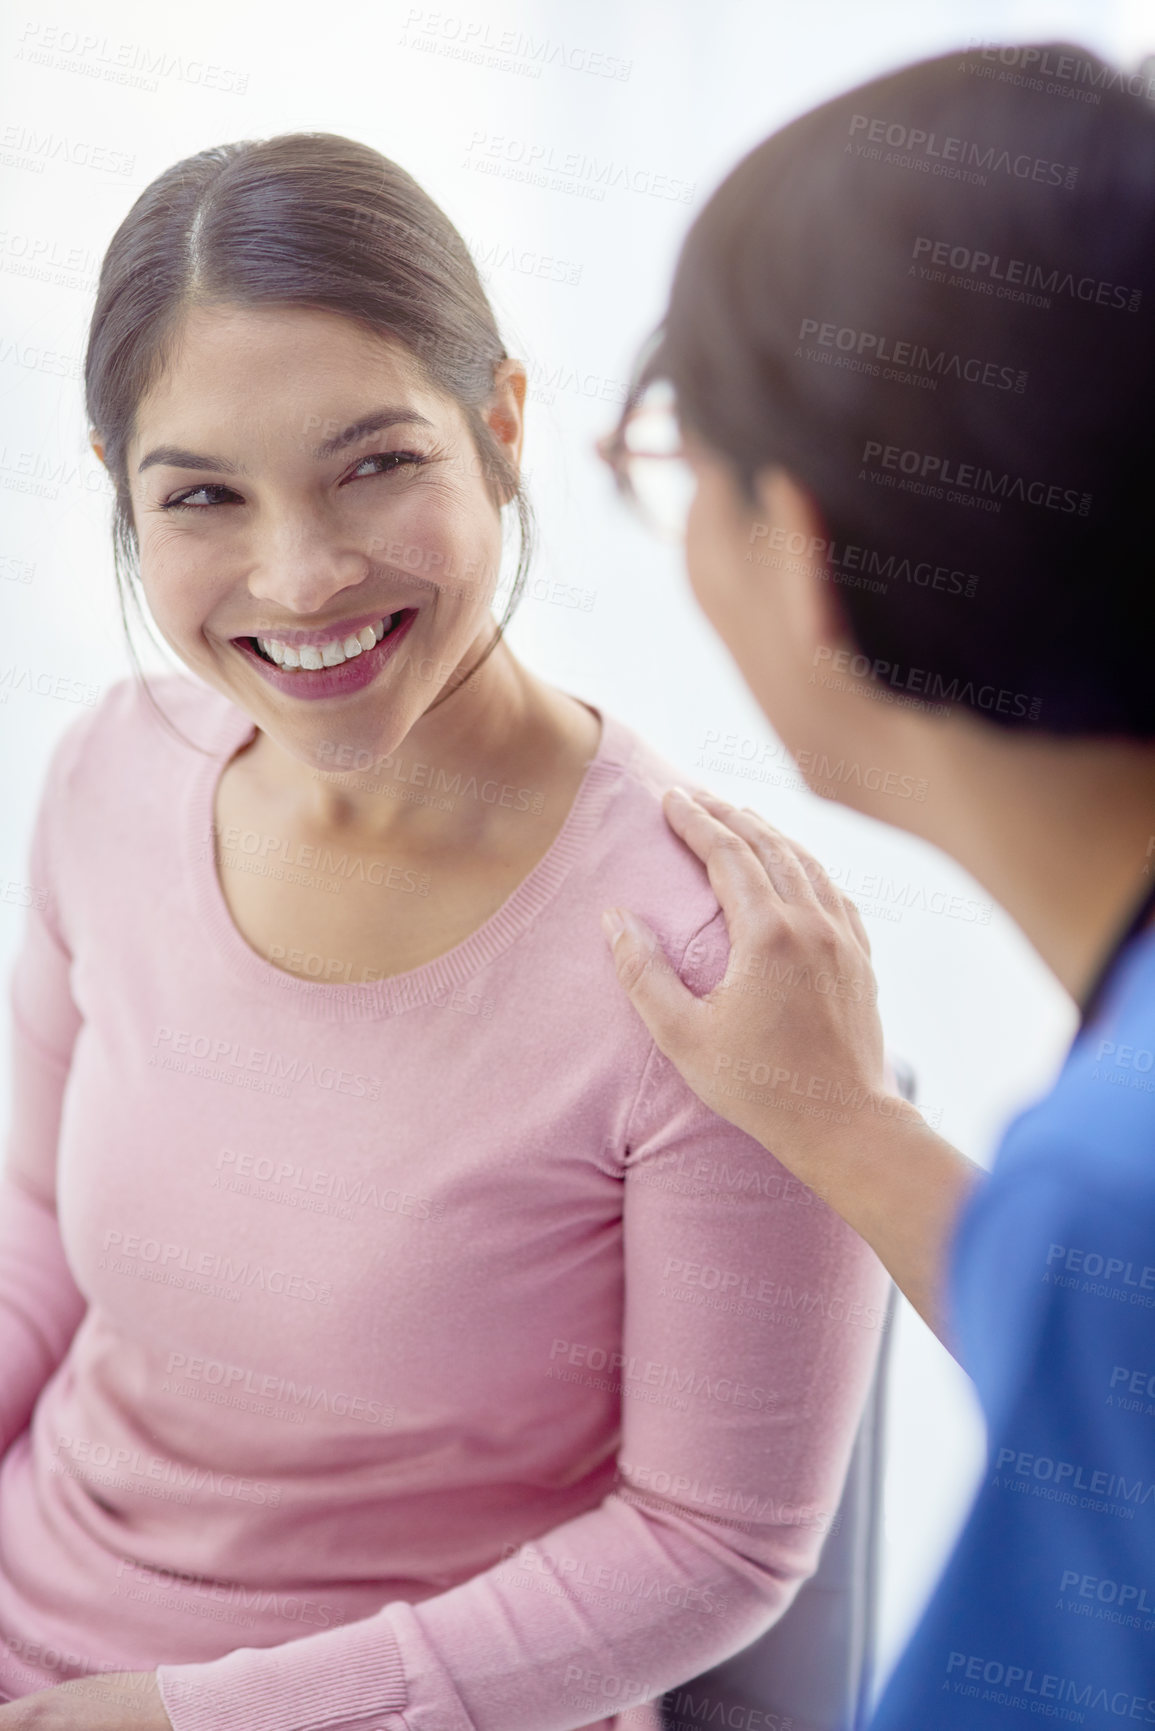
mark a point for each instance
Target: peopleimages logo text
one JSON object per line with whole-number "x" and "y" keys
{"x": 931, "y": 685}
{"x": 1022, "y": 273}
{"x": 280, "y": 1066}
{"x": 1022, "y": 1686}
{"x": 961, "y": 153}
{"x": 972, "y": 478}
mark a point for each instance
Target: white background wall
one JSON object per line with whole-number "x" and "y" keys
{"x": 89, "y": 113}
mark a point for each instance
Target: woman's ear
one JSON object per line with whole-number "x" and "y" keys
{"x": 795, "y": 545}
{"x": 97, "y": 444}
{"x": 504, "y": 414}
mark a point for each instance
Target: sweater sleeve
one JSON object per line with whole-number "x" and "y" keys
{"x": 751, "y": 1325}
{"x": 40, "y": 1305}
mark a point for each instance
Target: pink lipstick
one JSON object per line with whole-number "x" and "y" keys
{"x": 320, "y": 682}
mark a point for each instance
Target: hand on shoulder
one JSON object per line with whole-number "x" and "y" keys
{"x": 789, "y": 1044}
{"x": 117, "y": 1701}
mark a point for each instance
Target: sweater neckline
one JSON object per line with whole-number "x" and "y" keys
{"x": 366, "y": 1000}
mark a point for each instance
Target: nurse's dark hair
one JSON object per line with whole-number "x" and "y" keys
{"x": 305, "y": 219}
{"x": 931, "y": 301}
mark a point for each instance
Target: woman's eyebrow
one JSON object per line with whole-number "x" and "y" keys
{"x": 376, "y": 421}
{"x": 178, "y": 458}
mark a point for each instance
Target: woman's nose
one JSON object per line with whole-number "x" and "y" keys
{"x": 299, "y": 561}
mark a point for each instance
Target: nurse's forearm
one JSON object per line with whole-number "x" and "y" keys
{"x": 900, "y": 1186}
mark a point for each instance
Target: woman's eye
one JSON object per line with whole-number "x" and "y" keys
{"x": 216, "y": 493}
{"x": 384, "y": 462}
{"x": 215, "y": 488}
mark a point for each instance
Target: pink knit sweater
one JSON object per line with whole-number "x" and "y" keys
{"x": 419, "y": 1354}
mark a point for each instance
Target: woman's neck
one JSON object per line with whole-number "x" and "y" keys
{"x": 502, "y": 725}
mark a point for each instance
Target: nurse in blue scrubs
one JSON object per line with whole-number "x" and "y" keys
{"x": 900, "y": 407}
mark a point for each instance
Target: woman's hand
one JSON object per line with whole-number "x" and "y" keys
{"x": 114, "y": 1701}
{"x": 790, "y": 1042}
{"x": 788, "y": 1046}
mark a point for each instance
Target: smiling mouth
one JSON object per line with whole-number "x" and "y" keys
{"x": 317, "y": 657}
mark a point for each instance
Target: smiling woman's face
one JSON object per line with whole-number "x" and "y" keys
{"x": 294, "y": 478}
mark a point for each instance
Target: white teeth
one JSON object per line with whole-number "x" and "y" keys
{"x": 331, "y": 654}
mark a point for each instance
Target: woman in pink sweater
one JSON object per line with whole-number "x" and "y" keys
{"x": 389, "y": 1336}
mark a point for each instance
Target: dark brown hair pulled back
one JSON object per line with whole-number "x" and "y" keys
{"x": 932, "y": 301}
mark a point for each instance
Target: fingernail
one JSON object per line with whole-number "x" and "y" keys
{"x": 613, "y": 925}
{"x": 679, "y": 793}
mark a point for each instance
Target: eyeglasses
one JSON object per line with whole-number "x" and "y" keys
{"x": 649, "y": 462}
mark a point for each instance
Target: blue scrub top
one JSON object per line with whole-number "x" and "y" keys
{"x": 1046, "y": 1611}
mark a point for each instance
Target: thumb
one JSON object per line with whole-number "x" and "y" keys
{"x": 650, "y": 983}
